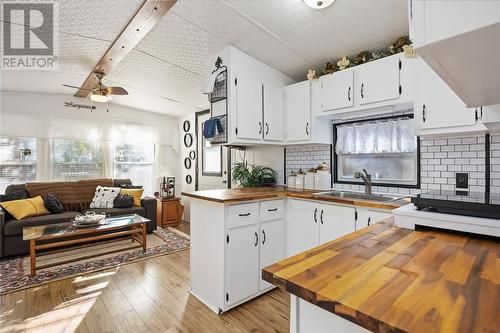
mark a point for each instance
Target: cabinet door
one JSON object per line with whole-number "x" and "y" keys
{"x": 298, "y": 111}
{"x": 302, "y": 226}
{"x": 272, "y": 246}
{"x": 249, "y": 109}
{"x": 368, "y": 217}
{"x": 437, "y": 106}
{"x": 335, "y": 222}
{"x": 378, "y": 80}
{"x": 242, "y": 263}
{"x": 337, "y": 90}
{"x": 273, "y": 113}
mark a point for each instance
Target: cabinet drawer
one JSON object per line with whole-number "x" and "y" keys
{"x": 240, "y": 215}
{"x": 271, "y": 210}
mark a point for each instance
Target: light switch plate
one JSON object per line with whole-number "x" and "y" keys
{"x": 462, "y": 180}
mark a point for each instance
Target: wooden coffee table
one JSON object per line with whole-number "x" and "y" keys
{"x": 65, "y": 236}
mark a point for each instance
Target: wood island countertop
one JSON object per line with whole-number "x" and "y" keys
{"x": 258, "y": 193}
{"x": 388, "y": 279}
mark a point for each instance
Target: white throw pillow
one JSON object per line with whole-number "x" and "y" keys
{"x": 104, "y": 197}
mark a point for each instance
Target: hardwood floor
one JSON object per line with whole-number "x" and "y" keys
{"x": 147, "y": 296}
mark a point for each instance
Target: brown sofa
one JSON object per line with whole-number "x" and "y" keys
{"x": 75, "y": 197}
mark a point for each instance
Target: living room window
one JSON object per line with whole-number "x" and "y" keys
{"x": 135, "y": 162}
{"x": 76, "y": 159}
{"x": 17, "y": 161}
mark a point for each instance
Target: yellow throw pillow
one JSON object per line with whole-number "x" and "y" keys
{"x": 135, "y": 193}
{"x": 20, "y": 209}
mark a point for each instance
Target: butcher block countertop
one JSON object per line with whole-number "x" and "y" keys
{"x": 389, "y": 279}
{"x": 258, "y": 193}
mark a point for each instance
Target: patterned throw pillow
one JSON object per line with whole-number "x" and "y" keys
{"x": 104, "y": 197}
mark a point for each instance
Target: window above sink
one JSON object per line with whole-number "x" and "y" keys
{"x": 386, "y": 147}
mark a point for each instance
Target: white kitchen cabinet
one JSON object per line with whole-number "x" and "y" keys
{"x": 242, "y": 263}
{"x": 249, "y": 109}
{"x": 298, "y": 111}
{"x": 335, "y": 221}
{"x": 273, "y": 113}
{"x": 437, "y": 108}
{"x": 302, "y": 226}
{"x": 378, "y": 80}
{"x": 272, "y": 246}
{"x": 366, "y": 217}
{"x": 300, "y": 126}
{"x": 367, "y": 89}
{"x": 337, "y": 90}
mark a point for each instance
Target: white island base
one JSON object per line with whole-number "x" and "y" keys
{"x": 309, "y": 318}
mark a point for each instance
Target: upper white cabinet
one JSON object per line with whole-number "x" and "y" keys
{"x": 438, "y": 110}
{"x": 448, "y": 34}
{"x": 301, "y": 127}
{"x": 376, "y": 85}
{"x": 248, "y": 108}
{"x": 379, "y": 80}
{"x": 337, "y": 90}
{"x": 273, "y": 113}
{"x": 255, "y": 105}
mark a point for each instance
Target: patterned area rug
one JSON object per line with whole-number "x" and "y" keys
{"x": 14, "y": 272}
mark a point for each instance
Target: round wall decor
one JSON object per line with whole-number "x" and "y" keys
{"x": 189, "y": 179}
{"x": 186, "y": 126}
{"x": 187, "y": 163}
{"x": 188, "y": 140}
{"x": 192, "y": 154}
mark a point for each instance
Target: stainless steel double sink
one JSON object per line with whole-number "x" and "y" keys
{"x": 360, "y": 196}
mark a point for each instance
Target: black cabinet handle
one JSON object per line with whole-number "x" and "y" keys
{"x": 355, "y": 215}
{"x": 349, "y": 94}
{"x": 263, "y": 237}
{"x": 423, "y": 113}
{"x": 315, "y": 215}
{"x": 362, "y": 90}
{"x": 256, "y": 239}
{"x": 476, "y": 115}
{"x": 369, "y": 220}
{"x": 242, "y": 215}
{"x": 272, "y": 209}
{"x": 260, "y": 127}
{"x": 321, "y": 216}
{"x": 267, "y": 128}
{"x": 307, "y": 128}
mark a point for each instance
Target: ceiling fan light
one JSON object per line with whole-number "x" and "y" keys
{"x": 99, "y": 98}
{"x": 319, "y": 4}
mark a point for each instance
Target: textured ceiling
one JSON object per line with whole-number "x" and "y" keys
{"x": 166, "y": 70}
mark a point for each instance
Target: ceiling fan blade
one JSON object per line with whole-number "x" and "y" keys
{"x": 69, "y": 86}
{"x": 116, "y": 91}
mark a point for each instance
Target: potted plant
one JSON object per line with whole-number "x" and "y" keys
{"x": 253, "y": 175}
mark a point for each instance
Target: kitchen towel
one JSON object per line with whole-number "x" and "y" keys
{"x": 211, "y": 127}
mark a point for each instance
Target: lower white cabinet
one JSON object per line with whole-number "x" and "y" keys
{"x": 311, "y": 223}
{"x": 242, "y": 263}
{"x": 272, "y": 246}
{"x": 366, "y": 217}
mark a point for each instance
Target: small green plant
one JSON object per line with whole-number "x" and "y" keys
{"x": 253, "y": 175}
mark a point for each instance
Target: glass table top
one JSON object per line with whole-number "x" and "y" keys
{"x": 67, "y": 229}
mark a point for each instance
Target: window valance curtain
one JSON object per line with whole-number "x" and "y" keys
{"x": 377, "y": 137}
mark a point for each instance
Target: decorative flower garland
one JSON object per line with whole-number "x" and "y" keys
{"x": 402, "y": 44}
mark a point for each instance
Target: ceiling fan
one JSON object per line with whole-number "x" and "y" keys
{"x": 101, "y": 93}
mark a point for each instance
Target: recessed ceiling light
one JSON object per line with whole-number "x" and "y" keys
{"x": 319, "y": 4}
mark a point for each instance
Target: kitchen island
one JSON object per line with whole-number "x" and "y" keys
{"x": 237, "y": 232}
{"x": 386, "y": 279}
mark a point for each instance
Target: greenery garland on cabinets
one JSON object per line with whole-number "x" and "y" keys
{"x": 402, "y": 44}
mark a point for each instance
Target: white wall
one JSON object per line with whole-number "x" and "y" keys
{"x": 44, "y": 116}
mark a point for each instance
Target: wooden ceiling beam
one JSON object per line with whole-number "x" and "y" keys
{"x": 143, "y": 21}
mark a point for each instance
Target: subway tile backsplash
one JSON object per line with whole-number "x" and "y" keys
{"x": 440, "y": 160}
